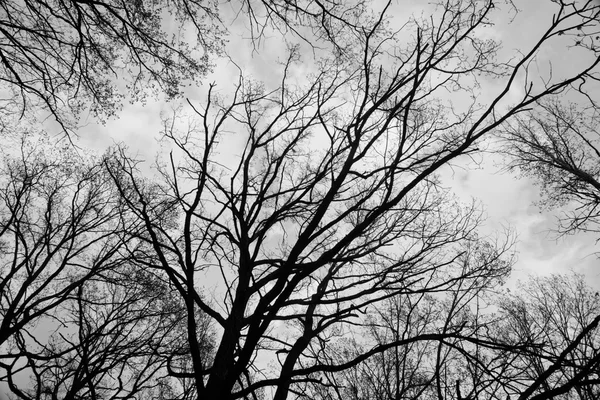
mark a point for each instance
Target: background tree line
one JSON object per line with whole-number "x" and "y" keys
{"x": 296, "y": 241}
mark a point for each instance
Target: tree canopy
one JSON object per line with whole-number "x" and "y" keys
{"x": 297, "y": 238}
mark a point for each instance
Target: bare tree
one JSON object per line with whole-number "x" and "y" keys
{"x": 319, "y": 24}
{"x": 557, "y": 144}
{"x": 541, "y": 343}
{"x": 121, "y": 335}
{"x": 65, "y": 56}
{"x": 332, "y": 203}
{"x": 438, "y": 368}
{"x": 79, "y": 316}
{"x": 559, "y": 316}
{"x": 60, "y": 225}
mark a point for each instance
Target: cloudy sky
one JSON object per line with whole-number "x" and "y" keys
{"x": 508, "y": 200}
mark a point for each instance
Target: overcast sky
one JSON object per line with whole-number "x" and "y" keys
{"x": 508, "y": 201}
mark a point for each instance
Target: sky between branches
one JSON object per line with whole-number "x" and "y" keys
{"x": 508, "y": 201}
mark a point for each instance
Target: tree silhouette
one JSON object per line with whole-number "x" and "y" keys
{"x": 60, "y": 226}
{"x": 67, "y": 56}
{"x": 333, "y": 204}
{"x": 559, "y": 316}
{"x": 541, "y": 343}
{"x": 556, "y": 144}
{"x": 298, "y": 239}
{"x": 78, "y": 314}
